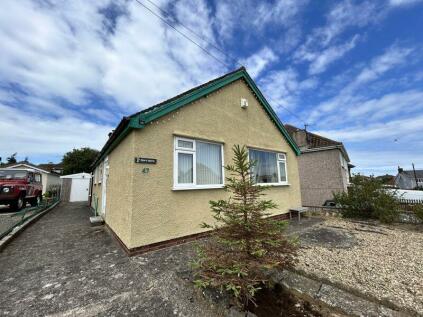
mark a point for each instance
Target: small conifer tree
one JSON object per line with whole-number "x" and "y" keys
{"x": 246, "y": 244}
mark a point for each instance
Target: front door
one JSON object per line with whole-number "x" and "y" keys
{"x": 105, "y": 176}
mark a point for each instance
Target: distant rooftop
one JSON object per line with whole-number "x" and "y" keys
{"x": 49, "y": 167}
{"x": 313, "y": 140}
{"x": 310, "y": 141}
{"x": 410, "y": 173}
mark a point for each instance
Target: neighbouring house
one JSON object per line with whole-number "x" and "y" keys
{"x": 75, "y": 187}
{"x": 48, "y": 177}
{"x": 154, "y": 177}
{"x": 52, "y": 167}
{"x": 409, "y": 179}
{"x": 324, "y": 166}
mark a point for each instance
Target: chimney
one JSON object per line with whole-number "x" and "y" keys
{"x": 400, "y": 170}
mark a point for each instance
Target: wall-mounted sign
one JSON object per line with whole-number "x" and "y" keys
{"x": 145, "y": 160}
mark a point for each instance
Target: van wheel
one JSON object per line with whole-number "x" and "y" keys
{"x": 18, "y": 204}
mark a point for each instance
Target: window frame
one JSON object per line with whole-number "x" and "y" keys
{"x": 100, "y": 173}
{"x": 177, "y": 149}
{"x": 37, "y": 175}
{"x": 278, "y": 160}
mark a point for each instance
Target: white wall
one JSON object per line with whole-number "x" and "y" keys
{"x": 52, "y": 179}
{"x": 79, "y": 189}
{"x": 408, "y": 194}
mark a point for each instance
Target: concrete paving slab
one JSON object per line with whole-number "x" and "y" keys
{"x": 61, "y": 266}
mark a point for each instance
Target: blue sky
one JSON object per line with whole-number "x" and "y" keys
{"x": 352, "y": 70}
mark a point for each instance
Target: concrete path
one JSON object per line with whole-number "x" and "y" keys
{"x": 61, "y": 266}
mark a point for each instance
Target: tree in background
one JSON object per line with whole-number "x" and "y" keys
{"x": 12, "y": 158}
{"x": 367, "y": 198}
{"x": 245, "y": 243}
{"x": 78, "y": 160}
{"x": 386, "y": 179}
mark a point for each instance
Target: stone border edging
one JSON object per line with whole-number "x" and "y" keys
{"x": 18, "y": 229}
{"x": 336, "y": 297}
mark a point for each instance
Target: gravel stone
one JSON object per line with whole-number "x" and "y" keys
{"x": 385, "y": 263}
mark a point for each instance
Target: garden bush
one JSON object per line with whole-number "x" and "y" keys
{"x": 367, "y": 198}
{"x": 418, "y": 211}
{"x": 246, "y": 244}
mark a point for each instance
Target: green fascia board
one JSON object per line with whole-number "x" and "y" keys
{"x": 140, "y": 120}
{"x": 115, "y": 143}
{"x": 272, "y": 113}
{"x": 186, "y": 99}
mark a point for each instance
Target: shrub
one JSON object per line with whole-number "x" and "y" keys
{"x": 366, "y": 198}
{"x": 418, "y": 211}
{"x": 246, "y": 244}
{"x": 53, "y": 191}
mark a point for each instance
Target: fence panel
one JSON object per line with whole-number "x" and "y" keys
{"x": 408, "y": 204}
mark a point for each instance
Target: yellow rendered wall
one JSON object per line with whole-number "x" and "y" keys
{"x": 159, "y": 213}
{"x": 119, "y": 189}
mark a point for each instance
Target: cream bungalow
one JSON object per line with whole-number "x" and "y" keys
{"x": 155, "y": 176}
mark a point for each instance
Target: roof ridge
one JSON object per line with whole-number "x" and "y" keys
{"x": 317, "y": 135}
{"x": 139, "y": 119}
{"x": 186, "y": 92}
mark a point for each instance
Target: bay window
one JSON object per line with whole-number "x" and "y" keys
{"x": 270, "y": 167}
{"x": 197, "y": 164}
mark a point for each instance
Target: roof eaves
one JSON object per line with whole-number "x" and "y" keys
{"x": 141, "y": 118}
{"x": 272, "y": 113}
{"x": 329, "y": 147}
{"x": 123, "y": 128}
{"x": 29, "y": 166}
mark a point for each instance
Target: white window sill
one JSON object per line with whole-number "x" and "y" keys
{"x": 273, "y": 184}
{"x": 198, "y": 187}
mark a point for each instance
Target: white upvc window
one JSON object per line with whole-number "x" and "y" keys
{"x": 270, "y": 167}
{"x": 197, "y": 164}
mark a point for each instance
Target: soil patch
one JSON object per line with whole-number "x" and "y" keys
{"x": 279, "y": 302}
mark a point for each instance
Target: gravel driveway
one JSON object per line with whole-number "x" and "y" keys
{"x": 383, "y": 262}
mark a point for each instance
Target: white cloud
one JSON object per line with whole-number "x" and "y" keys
{"x": 257, "y": 62}
{"x": 398, "y": 3}
{"x": 347, "y": 14}
{"x": 378, "y": 131}
{"x": 393, "y": 57}
{"x": 248, "y": 15}
{"x": 320, "y": 61}
{"x": 40, "y": 135}
{"x": 74, "y": 53}
{"x": 283, "y": 87}
{"x": 58, "y": 56}
{"x": 321, "y": 48}
{"x": 399, "y": 104}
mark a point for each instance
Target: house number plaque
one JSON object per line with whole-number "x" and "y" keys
{"x": 145, "y": 160}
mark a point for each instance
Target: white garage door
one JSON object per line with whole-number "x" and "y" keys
{"x": 79, "y": 189}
